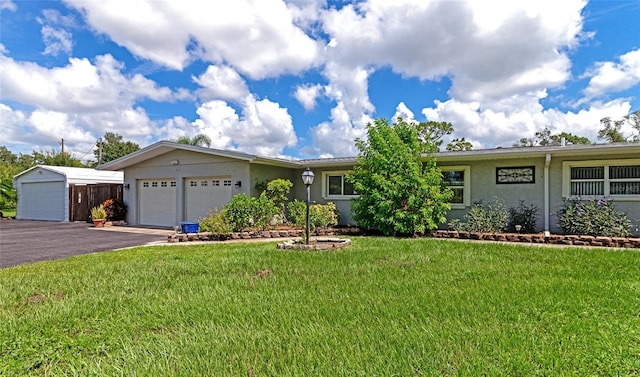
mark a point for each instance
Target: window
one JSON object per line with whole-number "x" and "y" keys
{"x": 457, "y": 179}
{"x": 154, "y": 184}
{"x": 193, "y": 183}
{"x": 226, "y": 182}
{"x": 145, "y": 184}
{"x": 173, "y": 183}
{"x": 335, "y": 186}
{"x": 215, "y": 183}
{"x": 204, "y": 183}
{"x": 619, "y": 178}
{"x": 163, "y": 184}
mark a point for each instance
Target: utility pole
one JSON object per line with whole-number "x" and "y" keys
{"x": 62, "y": 143}
{"x": 99, "y": 151}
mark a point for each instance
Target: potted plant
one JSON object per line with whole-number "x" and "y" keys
{"x": 99, "y": 216}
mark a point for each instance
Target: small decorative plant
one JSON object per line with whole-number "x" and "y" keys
{"x": 98, "y": 213}
{"x": 115, "y": 208}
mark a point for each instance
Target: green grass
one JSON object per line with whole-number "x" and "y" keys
{"x": 8, "y": 212}
{"x": 382, "y": 307}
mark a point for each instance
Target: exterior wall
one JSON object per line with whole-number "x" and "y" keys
{"x": 343, "y": 204}
{"x": 190, "y": 164}
{"x": 261, "y": 173}
{"x": 629, "y": 205}
{"x": 483, "y": 186}
{"x": 40, "y": 176}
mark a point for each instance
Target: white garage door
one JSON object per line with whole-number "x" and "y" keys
{"x": 157, "y": 202}
{"x": 204, "y": 195}
{"x": 43, "y": 201}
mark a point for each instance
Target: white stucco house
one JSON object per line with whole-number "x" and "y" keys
{"x": 167, "y": 183}
{"x": 44, "y": 191}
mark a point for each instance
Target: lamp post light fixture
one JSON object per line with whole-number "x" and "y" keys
{"x": 307, "y": 178}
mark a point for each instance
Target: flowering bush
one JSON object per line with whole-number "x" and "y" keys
{"x": 595, "y": 217}
{"x": 116, "y": 209}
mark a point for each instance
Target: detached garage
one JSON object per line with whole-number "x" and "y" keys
{"x": 43, "y": 190}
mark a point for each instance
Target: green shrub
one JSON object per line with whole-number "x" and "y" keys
{"x": 98, "y": 213}
{"x": 116, "y": 209}
{"x": 320, "y": 215}
{"x": 525, "y": 215}
{"x": 491, "y": 218}
{"x": 277, "y": 191}
{"x": 215, "y": 223}
{"x": 264, "y": 212}
{"x": 239, "y": 212}
{"x": 595, "y": 217}
{"x": 323, "y": 215}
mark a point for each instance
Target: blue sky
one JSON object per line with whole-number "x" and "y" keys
{"x": 302, "y": 78}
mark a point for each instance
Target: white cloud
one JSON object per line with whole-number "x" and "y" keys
{"x": 221, "y": 82}
{"x": 77, "y": 87}
{"x": 336, "y": 138}
{"x": 8, "y": 5}
{"x": 402, "y": 111}
{"x": 307, "y": 95}
{"x": 509, "y": 120}
{"x": 56, "y": 41}
{"x": 607, "y": 77}
{"x": 256, "y": 37}
{"x": 264, "y": 128}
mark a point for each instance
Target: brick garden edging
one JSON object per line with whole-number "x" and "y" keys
{"x": 260, "y": 234}
{"x": 538, "y": 238}
{"x": 554, "y": 239}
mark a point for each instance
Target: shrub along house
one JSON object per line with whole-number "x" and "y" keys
{"x": 166, "y": 183}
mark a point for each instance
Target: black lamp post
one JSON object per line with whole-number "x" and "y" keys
{"x": 307, "y": 178}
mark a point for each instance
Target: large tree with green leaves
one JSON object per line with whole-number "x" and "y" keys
{"x": 545, "y": 137}
{"x": 111, "y": 147}
{"x": 400, "y": 188}
{"x": 611, "y": 130}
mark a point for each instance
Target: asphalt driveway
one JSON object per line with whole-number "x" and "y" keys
{"x": 24, "y": 241}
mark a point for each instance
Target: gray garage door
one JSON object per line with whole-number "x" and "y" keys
{"x": 43, "y": 201}
{"x": 157, "y": 202}
{"x": 204, "y": 195}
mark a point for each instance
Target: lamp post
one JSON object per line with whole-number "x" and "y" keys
{"x": 307, "y": 178}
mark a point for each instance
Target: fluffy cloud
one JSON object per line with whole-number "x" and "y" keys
{"x": 307, "y": 95}
{"x": 609, "y": 77}
{"x": 221, "y": 82}
{"x": 521, "y": 116}
{"x": 56, "y": 41}
{"x": 264, "y": 128}
{"x": 77, "y": 87}
{"x": 256, "y": 37}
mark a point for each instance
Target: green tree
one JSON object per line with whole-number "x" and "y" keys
{"x": 400, "y": 194}
{"x": 277, "y": 192}
{"x": 569, "y": 138}
{"x": 459, "y": 145}
{"x": 432, "y": 132}
{"x": 111, "y": 147}
{"x": 610, "y": 130}
{"x": 199, "y": 139}
{"x": 55, "y": 158}
{"x": 546, "y": 138}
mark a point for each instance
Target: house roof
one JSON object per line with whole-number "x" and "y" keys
{"x": 79, "y": 174}
{"x": 163, "y": 147}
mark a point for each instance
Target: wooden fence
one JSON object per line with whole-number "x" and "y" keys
{"x": 84, "y": 197}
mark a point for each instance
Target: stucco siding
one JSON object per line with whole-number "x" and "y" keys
{"x": 267, "y": 173}
{"x": 189, "y": 164}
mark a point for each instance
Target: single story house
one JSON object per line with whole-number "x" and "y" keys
{"x": 166, "y": 182}
{"x": 49, "y": 192}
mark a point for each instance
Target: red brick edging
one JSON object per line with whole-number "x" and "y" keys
{"x": 554, "y": 239}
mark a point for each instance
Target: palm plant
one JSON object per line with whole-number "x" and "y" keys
{"x": 199, "y": 139}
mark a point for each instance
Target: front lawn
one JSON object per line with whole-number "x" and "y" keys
{"x": 382, "y": 307}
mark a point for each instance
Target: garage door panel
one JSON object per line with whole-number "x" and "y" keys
{"x": 43, "y": 201}
{"x": 157, "y": 202}
{"x": 205, "y": 195}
